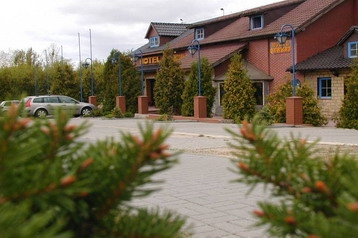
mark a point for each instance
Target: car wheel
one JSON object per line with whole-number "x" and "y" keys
{"x": 86, "y": 111}
{"x": 41, "y": 113}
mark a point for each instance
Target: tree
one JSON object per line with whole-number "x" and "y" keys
{"x": 239, "y": 98}
{"x": 131, "y": 86}
{"x": 348, "y": 114}
{"x": 315, "y": 196}
{"x": 191, "y": 88}
{"x": 312, "y": 114}
{"x": 169, "y": 84}
{"x": 52, "y": 184}
{"x": 64, "y": 80}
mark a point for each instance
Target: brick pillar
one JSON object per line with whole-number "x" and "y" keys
{"x": 121, "y": 103}
{"x": 93, "y": 100}
{"x": 200, "y": 107}
{"x": 143, "y": 105}
{"x": 294, "y": 110}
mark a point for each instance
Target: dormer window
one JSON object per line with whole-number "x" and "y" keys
{"x": 256, "y": 22}
{"x": 154, "y": 41}
{"x": 199, "y": 33}
{"x": 353, "y": 49}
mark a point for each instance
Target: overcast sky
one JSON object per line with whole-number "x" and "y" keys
{"x": 114, "y": 24}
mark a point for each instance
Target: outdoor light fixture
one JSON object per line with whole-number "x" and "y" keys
{"x": 136, "y": 54}
{"x": 192, "y": 50}
{"x": 281, "y": 37}
{"x": 86, "y": 64}
{"x": 114, "y": 60}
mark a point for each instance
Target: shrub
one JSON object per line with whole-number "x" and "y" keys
{"x": 192, "y": 88}
{"x": 169, "y": 84}
{"x": 52, "y": 184}
{"x": 239, "y": 98}
{"x": 348, "y": 114}
{"x": 314, "y": 196}
{"x": 311, "y": 112}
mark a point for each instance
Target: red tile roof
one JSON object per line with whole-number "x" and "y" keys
{"x": 215, "y": 54}
{"x": 301, "y": 16}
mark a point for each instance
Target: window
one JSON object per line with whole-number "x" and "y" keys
{"x": 259, "y": 92}
{"x": 154, "y": 41}
{"x": 199, "y": 33}
{"x": 221, "y": 93}
{"x": 324, "y": 87}
{"x": 256, "y": 22}
{"x": 353, "y": 49}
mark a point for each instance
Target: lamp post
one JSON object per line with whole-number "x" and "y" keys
{"x": 86, "y": 64}
{"x": 120, "y": 100}
{"x": 192, "y": 50}
{"x": 142, "y": 100}
{"x": 281, "y": 37}
{"x": 199, "y": 101}
{"x": 294, "y": 105}
{"x": 136, "y": 54}
{"x": 114, "y": 60}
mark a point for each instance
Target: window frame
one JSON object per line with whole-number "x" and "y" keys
{"x": 252, "y": 21}
{"x": 154, "y": 41}
{"x": 199, "y": 33}
{"x": 325, "y": 88}
{"x": 350, "y": 44}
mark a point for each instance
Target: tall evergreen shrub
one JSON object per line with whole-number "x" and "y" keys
{"x": 348, "y": 114}
{"x": 239, "y": 98}
{"x": 192, "y": 88}
{"x": 169, "y": 84}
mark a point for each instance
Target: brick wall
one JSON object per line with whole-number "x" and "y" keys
{"x": 330, "y": 107}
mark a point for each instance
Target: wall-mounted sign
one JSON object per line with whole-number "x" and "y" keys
{"x": 151, "y": 60}
{"x": 276, "y": 48}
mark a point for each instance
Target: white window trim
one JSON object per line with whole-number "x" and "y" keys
{"x": 349, "y": 49}
{"x": 201, "y": 35}
{"x": 252, "y": 22}
{"x": 154, "y": 41}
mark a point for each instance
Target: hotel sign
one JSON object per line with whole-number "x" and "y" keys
{"x": 151, "y": 60}
{"x": 276, "y": 48}
{"x": 156, "y": 59}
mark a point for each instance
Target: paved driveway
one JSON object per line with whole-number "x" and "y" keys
{"x": 200, "y": 187}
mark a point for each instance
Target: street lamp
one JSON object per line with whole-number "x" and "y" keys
{"x": 86, "y": 64}
{"x": 281, "y": 37}
{"x": 114, "y": 60}
{"x": 136, "y": 54}
{"x": 192, "y": 50}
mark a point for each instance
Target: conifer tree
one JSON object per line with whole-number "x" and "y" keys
{"x": 192, "y": 88}
{"x": 131, "y": 85}
{"x": 63, "y": 80}
{"x": 53, "y": 184}
{"x": 348, "y": 114}
{"x": 169, "y": 84}
{"x": 313, "y": 196}
{"x": 239, "y": 98}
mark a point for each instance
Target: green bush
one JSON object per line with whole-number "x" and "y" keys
{"x": 169, "y": 84}
{"x": 311, "y": 112}
{"x": 239, "y": 99}
{"x": 348, "y": 114}
{"x": 192, "y": 88}
{"x": 311, "y": 196}
{"x": 52, "y": 184}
